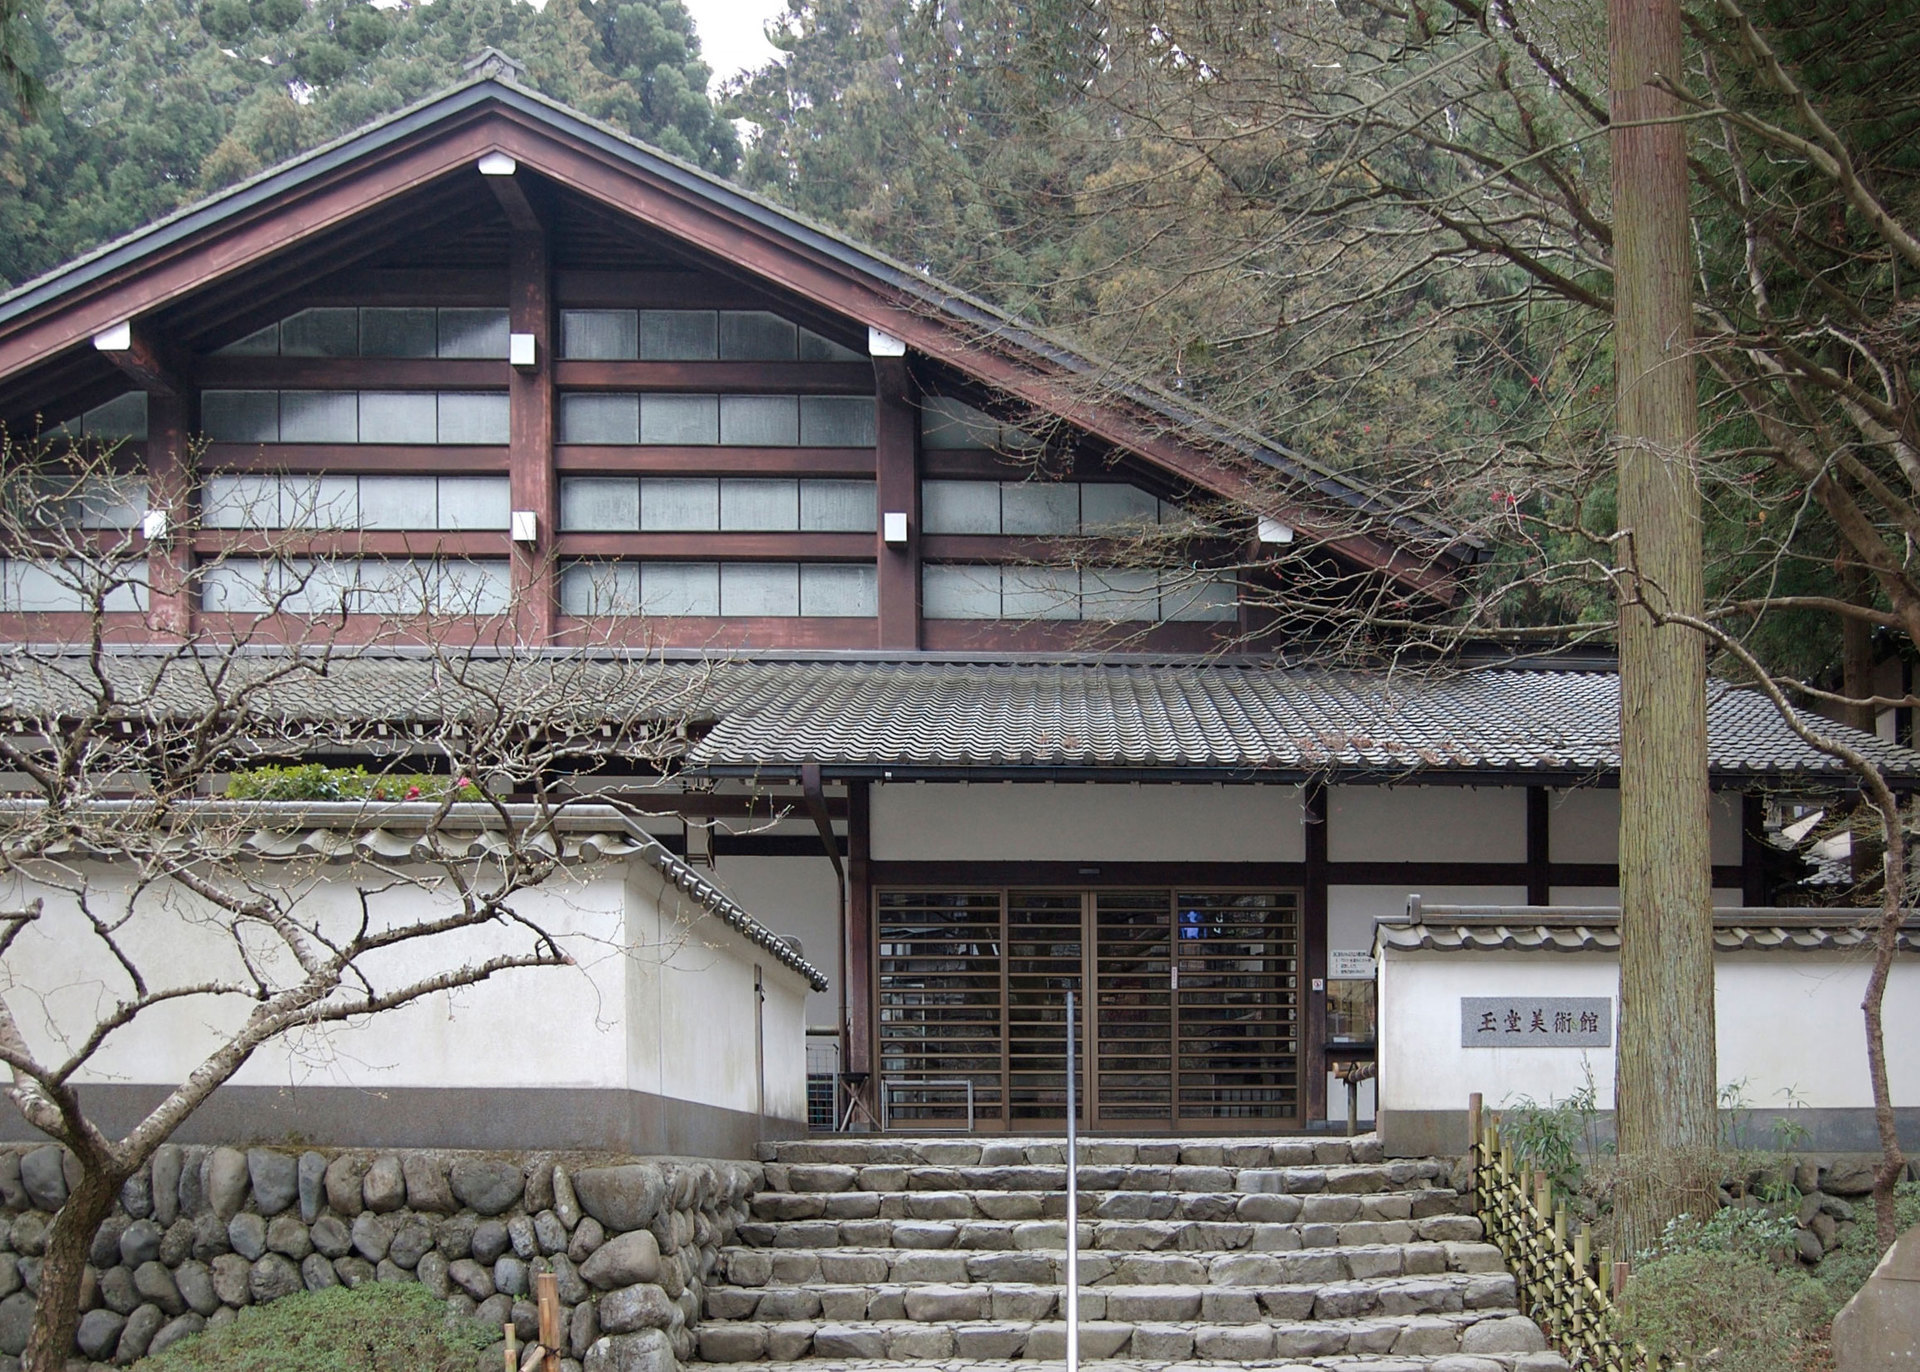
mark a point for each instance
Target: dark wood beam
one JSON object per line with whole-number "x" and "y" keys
{"x": 1539, "y": 859}
{"x": 1753, "y": 849}
{"x": 354, "y": 543}
{"x": 859, "y": 990}
{"x": 143, "y": 361}
{"x": 351, "y": 373}
{"x": 897, "y": 471}
{"x": 512, "y": 195}
{"x": 1313, "y": 953}
{"x": 535, "y": 487}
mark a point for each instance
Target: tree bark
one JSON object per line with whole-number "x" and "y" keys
{"x": 1856, "y": 649}
{"x": 1665, "y": 1089}
{"x": 56, "y": 1313}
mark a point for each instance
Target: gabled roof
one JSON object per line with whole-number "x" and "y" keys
{"x": 445, "y": 134}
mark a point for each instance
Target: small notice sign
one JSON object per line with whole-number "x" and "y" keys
{"x": 1536, "y": 1022}
{"x": 1349, "y": 964}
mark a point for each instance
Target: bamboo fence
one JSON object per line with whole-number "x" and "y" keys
{"x": 1566, "y": 1286}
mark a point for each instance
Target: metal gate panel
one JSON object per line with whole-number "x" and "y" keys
{"x": 1238, "y": 1005}
{"x": 941, "y": 1000}
{"x": 1045, "y": 957}
{"x": 1133, "y": 1008}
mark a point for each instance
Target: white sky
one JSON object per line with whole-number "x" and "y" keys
{"x": 731, "y": 33}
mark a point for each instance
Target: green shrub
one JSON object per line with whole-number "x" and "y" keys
{"x": 1726, "y": 1308}
{"x": 380, "y": 1327}
{"x": 312, "y": 781}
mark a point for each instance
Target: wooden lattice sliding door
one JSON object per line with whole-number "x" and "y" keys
{"x": 1194, "y": 1021}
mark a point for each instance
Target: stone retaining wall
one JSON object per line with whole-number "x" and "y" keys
{"x": 202, "y": 1232}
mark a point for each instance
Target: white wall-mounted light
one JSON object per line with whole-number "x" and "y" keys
{"x": 115, "y": 340}
{"x": 153, "y": 525}
{"x": 497, "y": 164}
{"x": 1273, "y": 531}
{"x": 893, "y": 527}
{"x": 520, "y": 349}
{"x": 525, "y": 526}
{"x": 883, "y": 344}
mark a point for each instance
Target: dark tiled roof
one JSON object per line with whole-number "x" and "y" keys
{"x": 1220, "y": 716}
{"x": 1542, "y": 930}
{"x": 941, "y": 716}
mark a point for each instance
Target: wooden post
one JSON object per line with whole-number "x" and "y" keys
{"x": 1314, "y": 953}
{"x": 170, "y": 561}
{"x": 1474, "y": 1126}
{"x": 1539, "y": 820}
{"x": 530, "y": 463}
{"x": 897, "y": 490}
{"x": 546, "y": 1290}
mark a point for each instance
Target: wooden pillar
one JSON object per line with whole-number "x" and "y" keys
{"x": 858, "y": 960}
{"x": 1539, "y": 856}
{"x": 1313, "y": 947}
{"x": 169, "y": 561}
{"x": 1753, "y": 849}
{"x": 897, "y": 477}
{"x": 534, "y": 487}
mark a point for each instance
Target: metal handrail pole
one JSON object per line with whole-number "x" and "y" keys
{"x": 1073, "y": 1197}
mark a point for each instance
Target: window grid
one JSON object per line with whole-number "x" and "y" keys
{"x": 1089, "y": 594}
{"x": 379, "y": 331}
{"x": 660, "y": 418}
{"x": 398, "y": 587}
{"x": 350, "y": 502}
{"x": 1039, "y": 507}
{"x": 616, "y": 335}
{"x": 400, "y": 417}
{"x": 780, "y": 590}
{"x": 651, "y": 504}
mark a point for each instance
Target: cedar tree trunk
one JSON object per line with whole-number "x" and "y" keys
{"x": 1665, "y": 1091}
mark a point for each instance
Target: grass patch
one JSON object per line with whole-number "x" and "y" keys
{"x": 381, "y": 1327}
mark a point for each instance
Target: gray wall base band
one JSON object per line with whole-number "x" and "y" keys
{"x": 439, "y": 1117}
{"x": 1443, "y": 1133}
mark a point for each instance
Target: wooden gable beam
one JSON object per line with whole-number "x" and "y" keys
{"x": 147, "y": 364}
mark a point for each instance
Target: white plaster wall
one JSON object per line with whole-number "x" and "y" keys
{"x": 1583, "y": 825}
{"x": 1003, "y": 822}
{"x": 799, "y": 897}
{"x": 695, "y": 1029}
{"x": 1785, "y": 1022}
{"x": 1427, "y": 824}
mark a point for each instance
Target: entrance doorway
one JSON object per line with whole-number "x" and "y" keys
{"x": 1191, "y": 1019}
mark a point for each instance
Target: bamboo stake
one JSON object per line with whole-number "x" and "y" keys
{"x": 512, "y": 1353}
{"x": 546, "y": 1290}
{"x": 1473, "y": 1122}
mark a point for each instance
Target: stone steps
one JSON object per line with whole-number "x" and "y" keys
{"x": 1496, "y": 1330}
{"x": 929, "y": 1302}
{"x": 753, "y": 1267}
{"x": 889, "y": 1253}
{"x": 1112, "y": 1236}
{"x": 1423, "y": 1202}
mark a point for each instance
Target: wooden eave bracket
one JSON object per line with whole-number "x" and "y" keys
{"x": 502, "y": 173}
{"x": 151, "y": 369}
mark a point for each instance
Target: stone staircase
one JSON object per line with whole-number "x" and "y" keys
{"x": 1295, "y": 1253}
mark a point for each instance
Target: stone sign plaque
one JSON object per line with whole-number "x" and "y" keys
{"x": 1536, "y": 1022}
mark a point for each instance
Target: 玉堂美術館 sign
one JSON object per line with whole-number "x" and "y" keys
{"x": 1536, "y": 1022}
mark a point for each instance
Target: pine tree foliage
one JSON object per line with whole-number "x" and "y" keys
{"x": 154, "y": 103}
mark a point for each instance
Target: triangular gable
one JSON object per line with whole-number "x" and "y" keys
{"x": 323, "y": 192}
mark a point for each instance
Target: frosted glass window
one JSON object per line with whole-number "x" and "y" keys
{"x": 669, "y": 504}
{"x": 1040, "y": 592}
{"x": 240, "y": 585}
{"x": 260, "y": 343}
{"x": 680, "y": 588}
{"x": 960, "y": 507}
{"x": 755, "y": 336}
{"x": 949, "y": 423}
{"x": 474, "y": 502}
{"x": 955, "y": 592}
{"x": 474, "y": 417}
{"x": 241, "y": 502}
{"x": 843, "y": 589}
{"x": 1039, "y": 507}
{"x": 600, "y": 335}
{"x": 837, "y": 507}
{"x": 319, "y": 417}
{"x": 399, "y": 502}
{"x": 320, "y": 502}
{"x": 241, "y": 416}
{"x": 836, "y": 421}
{"x": 125, "y": 416}
{"x": 756, "y": 503}
{"x": 599, "y": 419}
{"x": 473, "y": 333}
{"x": 1108, "y": 505}
{"x": 398, "y": 333}
{"x": 474, "y": 588}
{"x": 768, "y": 421}
{"x": 396, "y": 586}
{"x": 399, "y": 417}
{"x": 321, "y": 333}
{"x": 600, "y": 504}
{"x": 320, "y": 586}
{"x": 1119, "y": 593}
{"x": 68, "y": 586}
{"x": 116, "y": 502}
{"x": 814, "y": 348}
{"x": 1186, "y": 598}
{"x": 678, "y": 336}
{"x": 760, "y": 588}
{"x": 680, "y": 419}
{"x": 602, "y": 588}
